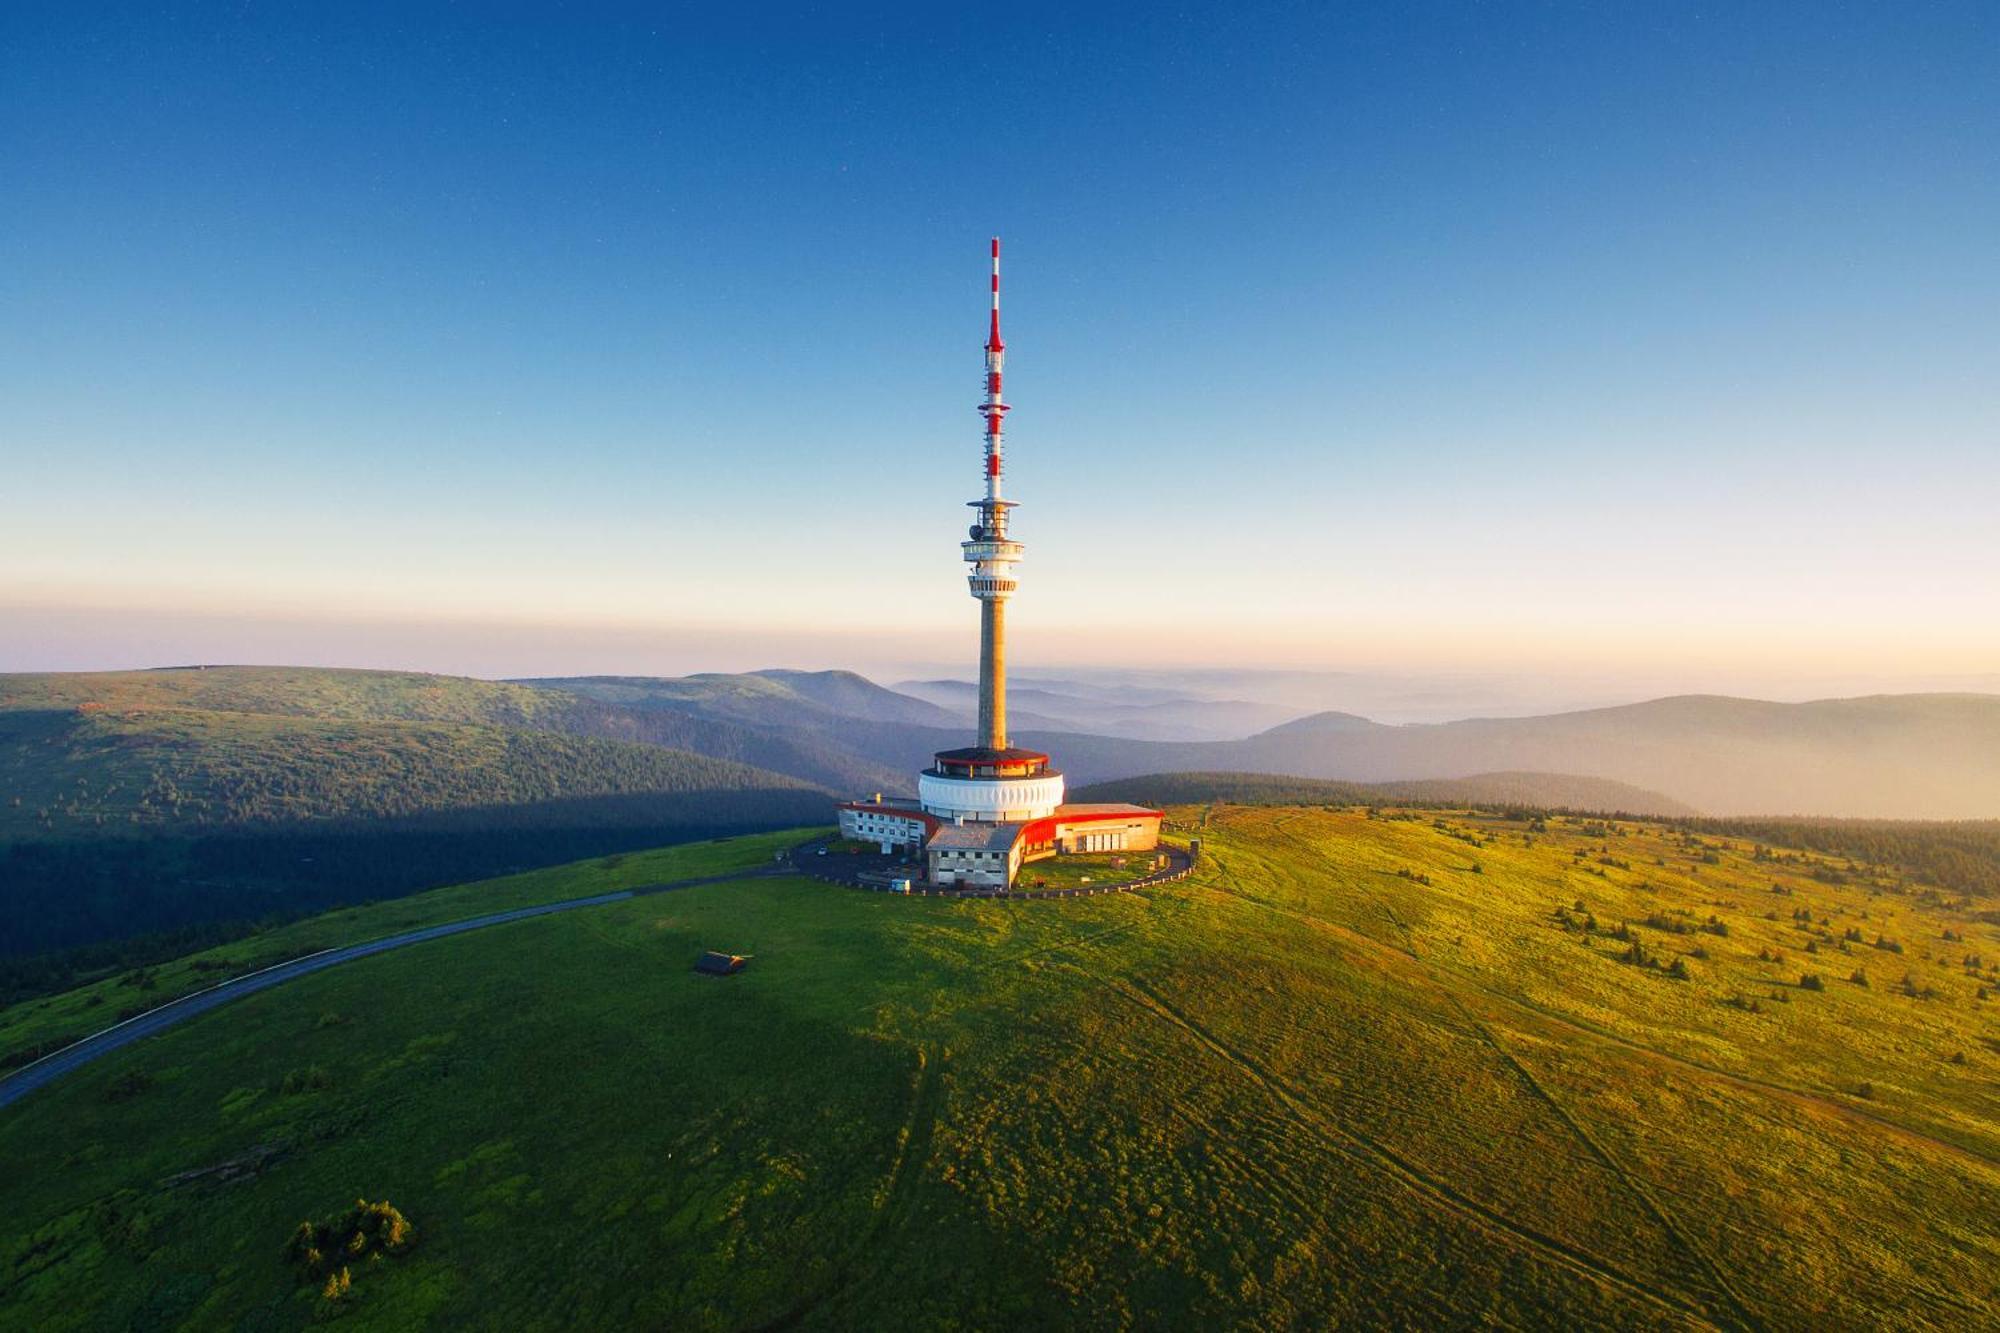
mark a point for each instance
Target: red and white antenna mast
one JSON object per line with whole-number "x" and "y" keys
{"x": 990, "y": 553}
{"x": 994, "y": 409}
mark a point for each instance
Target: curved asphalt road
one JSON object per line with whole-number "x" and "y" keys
{"x": 54, "y": 1065}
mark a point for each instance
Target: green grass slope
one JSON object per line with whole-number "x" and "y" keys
{"x": 1392, "y": 1070}
{"x": 33, "y": 1028}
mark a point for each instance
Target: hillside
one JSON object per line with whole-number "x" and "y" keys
{"x": 1545, "y": 791}
{"x": 775, "y": 698}
{"x": 1904, "y": 756}
{"x": 404, "y": 696}
{"x": 1918, "y": 756}
{"x": 1135, "y": 714}
{"x": 149, "y": 803}
{"x": 177, "y": 769}
{"x": 1422, "y": 1069}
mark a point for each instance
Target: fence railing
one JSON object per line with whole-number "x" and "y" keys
{"x": 1178, "y": 872}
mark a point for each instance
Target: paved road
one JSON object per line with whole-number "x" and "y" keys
{"x": 54, "y": 1065}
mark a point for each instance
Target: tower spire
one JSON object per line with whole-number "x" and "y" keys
{"x": 994, "y": 409}
{"x": 990, "y": 553}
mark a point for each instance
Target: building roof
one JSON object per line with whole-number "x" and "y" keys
{"x": 888, "y": 805}
{"x": 720, "y": 964}
{"x": 1102, "y": 810}
{"x": 980, "y": 754}
{"x": 975, "y": 837}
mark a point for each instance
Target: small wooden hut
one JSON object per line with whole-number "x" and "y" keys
{"x": 720, "y": 964}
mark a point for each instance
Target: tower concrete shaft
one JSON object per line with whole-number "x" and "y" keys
{"x": 993, "y": 673}
{"x": 990, "y": 553}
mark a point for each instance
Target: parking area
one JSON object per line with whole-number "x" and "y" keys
{"x": 828, "y": 859}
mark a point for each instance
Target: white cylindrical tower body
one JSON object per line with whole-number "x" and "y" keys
{"x": 990, "y": 800}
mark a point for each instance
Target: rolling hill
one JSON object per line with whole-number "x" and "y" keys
{"x": 1893, "y": 756}
{"x": 1919, "y": 756}
{"x": 179, "y": 769}
{"x": 1137, "y": 715}
{"x": 151, "y": 801}
{"x": 139, "y": 803}
{"x": 330, "y": 694}
{"x": 1414, "y": 1069}
{"x": 1541, "y": 791}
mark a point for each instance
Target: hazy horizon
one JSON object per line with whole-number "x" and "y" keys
{"x": 38, "y": 640}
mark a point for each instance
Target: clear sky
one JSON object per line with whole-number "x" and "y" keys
{"x": 1651, "y": 337}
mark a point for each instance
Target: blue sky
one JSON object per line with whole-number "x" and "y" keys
{"x": 1428, "y": 337}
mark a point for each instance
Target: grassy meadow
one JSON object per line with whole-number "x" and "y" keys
{"x": 59, "y": 1019}
{"x": 1396, "y": 1068}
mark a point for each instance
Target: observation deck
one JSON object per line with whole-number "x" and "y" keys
{"x": 983, "y": 785}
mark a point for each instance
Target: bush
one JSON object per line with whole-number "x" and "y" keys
{"x": 1812, "y": 981}
{"x": 367, "y": 1230}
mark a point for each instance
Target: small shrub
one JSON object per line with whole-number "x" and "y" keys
{"x": 365, "y": 1231}
{"x": 1812, "y": 981}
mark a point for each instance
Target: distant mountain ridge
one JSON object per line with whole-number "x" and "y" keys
{"x": 1136, "y": 714}
{"x": 1902, "y": 756}
{"x": 1887, "y": 756}
{"x": 1891, "y": 756}
{"x": 210, "y": 748}
{"x": 1541, "y": 791}
{"x": 157, "y": 803}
